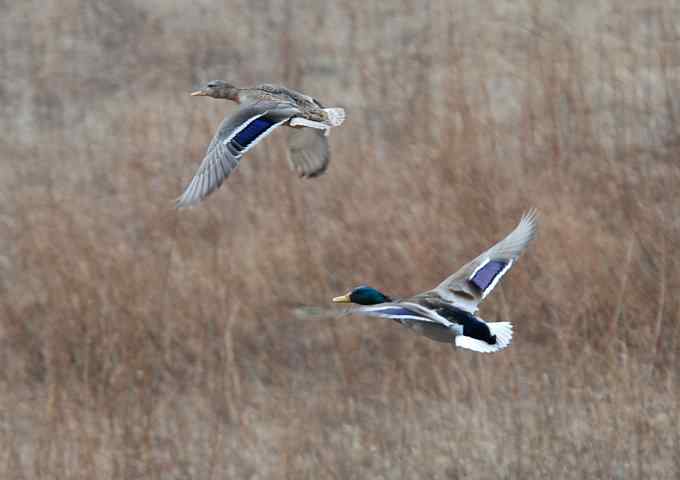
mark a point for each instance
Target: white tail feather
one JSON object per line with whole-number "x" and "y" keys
{"x": 335, "y": 116}
{"x": 503, "y": 332}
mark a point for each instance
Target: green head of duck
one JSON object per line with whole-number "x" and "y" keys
{"x": 363, "y": 295}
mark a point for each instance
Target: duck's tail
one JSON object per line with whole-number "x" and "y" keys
{"x": 501, "y": 331}
{"x": 335, "y": 116}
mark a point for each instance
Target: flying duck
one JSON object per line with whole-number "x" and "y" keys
{"x": 263, "y": 108}
{"x": 448, "y": 313}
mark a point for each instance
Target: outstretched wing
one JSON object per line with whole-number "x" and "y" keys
{"x": 403, "y": 311}
{"x": 473, "y": 282}
{"x": 236, "y": 135}
{"x": 308, "y": 152}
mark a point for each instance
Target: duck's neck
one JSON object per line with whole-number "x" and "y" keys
{"x": 232, "y": 93}
{"x": 228, "y": 92}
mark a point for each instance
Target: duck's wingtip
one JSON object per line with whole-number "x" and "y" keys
{"x": 530, "y": 216}
{"x": 529, "y": 221}
{"x": 182, "y": 202}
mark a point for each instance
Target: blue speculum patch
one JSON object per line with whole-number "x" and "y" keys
{"x": 254, "y": 129}
{"x": 397, "y": 311}
{"x": 483, "y": 277}
{"x": 400, "y": 312}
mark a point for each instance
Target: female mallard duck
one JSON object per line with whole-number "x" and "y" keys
{"x": 263, "y": 108}
{"x": 448, "y": 312}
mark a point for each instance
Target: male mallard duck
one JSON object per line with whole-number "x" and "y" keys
{"x": 263, "y": 108}
{"x": 448, "y": 312}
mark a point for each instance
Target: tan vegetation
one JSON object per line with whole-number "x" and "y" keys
{"x": 141, "y": 342}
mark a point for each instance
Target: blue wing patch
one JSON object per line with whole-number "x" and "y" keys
{"x": 249, "y": 134}
{"x": 397, "y": 312}
{"x": 484, "y": 277}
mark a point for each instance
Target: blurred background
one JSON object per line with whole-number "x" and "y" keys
{"x": 137, "y": 341}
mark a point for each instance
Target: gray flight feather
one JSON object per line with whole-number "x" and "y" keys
{"x": 221, "y": 159}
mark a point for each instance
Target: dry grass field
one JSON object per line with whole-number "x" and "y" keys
{"x": 137, "y": 341}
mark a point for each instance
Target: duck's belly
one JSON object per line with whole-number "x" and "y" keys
{"x": 433, "y": 331}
